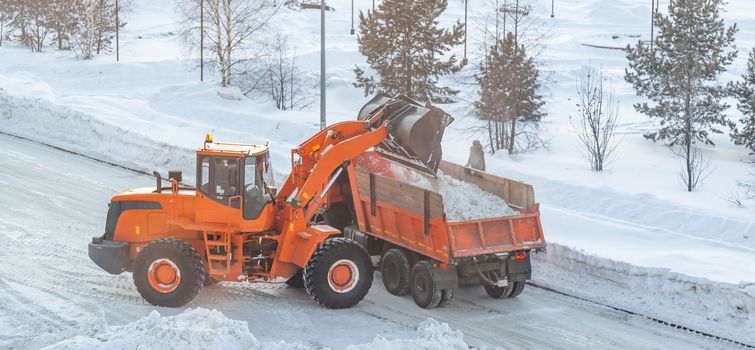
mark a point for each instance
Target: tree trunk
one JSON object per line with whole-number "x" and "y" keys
{"x": 512, "y": 135}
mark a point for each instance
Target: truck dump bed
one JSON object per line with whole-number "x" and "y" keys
{"x": 405, "y": 208}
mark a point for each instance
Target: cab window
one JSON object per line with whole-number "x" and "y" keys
{"x": 255, "y": 196}
{"x": 218, "y": 178}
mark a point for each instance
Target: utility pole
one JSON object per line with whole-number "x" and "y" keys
{"x": 553, "y": 8}
{"x": 466, "y": 5}
{"x": 201, "y": 40}
{"x": 322, "y": 64}
{"x": 352, "y": 17}
{"x": 652, "y": 23}
{"x": 117, "y": 30}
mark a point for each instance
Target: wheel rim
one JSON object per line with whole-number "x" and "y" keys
{"x": 343, "y": 276}
{"x": 163, "y": 275}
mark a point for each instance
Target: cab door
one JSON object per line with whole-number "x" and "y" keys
{"x": 219, "y": 189}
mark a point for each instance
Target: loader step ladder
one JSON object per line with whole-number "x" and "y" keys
{"x": 218, "y": 250}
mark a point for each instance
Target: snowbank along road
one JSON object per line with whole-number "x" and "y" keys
{"x": 53, "y": 202}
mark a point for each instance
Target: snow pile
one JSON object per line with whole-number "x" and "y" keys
{"x": 464, "y": 201}
{"x": 715, "y": 307}
{"x": 431, "y": 335}
{"x": 193, "y": 329}
{"x": 209, "y": 329}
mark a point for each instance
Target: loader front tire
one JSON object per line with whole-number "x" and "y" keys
{"x": 394, "y": 270}
{"x": 168, "y": 272}
{"x": 339, "y": 274}
{"x": 425, "y": 291}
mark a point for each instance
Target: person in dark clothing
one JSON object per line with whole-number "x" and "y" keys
{"x": 476, "y": 156}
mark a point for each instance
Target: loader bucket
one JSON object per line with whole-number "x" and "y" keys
{"x": 416, "y": 131}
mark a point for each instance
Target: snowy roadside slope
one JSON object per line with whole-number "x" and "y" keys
{"x": 698, "y": 303}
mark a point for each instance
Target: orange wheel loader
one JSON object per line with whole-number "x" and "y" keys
{"x": 235, "y": 225}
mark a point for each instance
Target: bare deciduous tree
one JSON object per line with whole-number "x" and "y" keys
{"x": 695, "y": 166}
{"x": 232, "y": 27}
{"x": 285, "y": 83}
{"x": 598, "y": 110}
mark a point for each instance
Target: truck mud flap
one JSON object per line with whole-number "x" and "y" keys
{"x": 446, "y": 278}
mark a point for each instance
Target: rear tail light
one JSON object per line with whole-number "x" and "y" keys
{"x": 520, "y": 256}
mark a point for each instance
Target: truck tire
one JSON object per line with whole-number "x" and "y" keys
{"x": 496, "y": 292}
{"x": 168, "y": 272}
{"x": 297, "y": 280}
{"x": 394, "y": 270}
{"x": 339, "y": 274}
{"x": 446, "y": 296}
{"x": 425, "y": 292}
{"x": 516, "y": 289}
{"x": 511, "y": 291}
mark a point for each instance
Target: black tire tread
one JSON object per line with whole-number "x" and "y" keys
{"x": 404, "y": 274}
{"x": 436, "y": 292}
{"x": 447, "y": 295}
{"x": 314, "y": 263}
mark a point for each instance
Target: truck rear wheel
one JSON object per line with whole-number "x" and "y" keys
{"x": 168, "y": 272}
{"x": 510, "y": 291}
{"x": 425, "y": 291}
{"x": 394, "y": 270}
{"x": 339, "y": 274}
{"x": 446, "y": 296}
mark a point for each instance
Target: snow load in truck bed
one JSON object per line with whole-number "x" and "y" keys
{"x": 462, "y": 200}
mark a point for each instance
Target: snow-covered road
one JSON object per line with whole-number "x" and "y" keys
{"x": 51, "y": 203}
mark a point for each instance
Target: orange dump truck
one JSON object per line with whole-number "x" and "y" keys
{"x": 392, "y": 206}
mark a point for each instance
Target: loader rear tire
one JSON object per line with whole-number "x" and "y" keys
{"x": 339, "y": 274}
{"x": 425, "y": 291}
{"x": 297, "y": 280}
{"x": 168, "y": 272}
{"x": 394, "y": 270}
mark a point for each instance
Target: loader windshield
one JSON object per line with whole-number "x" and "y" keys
{"x": 257, "y": 173}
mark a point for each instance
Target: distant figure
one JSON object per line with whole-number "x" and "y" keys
{"x": 476, "y": 156}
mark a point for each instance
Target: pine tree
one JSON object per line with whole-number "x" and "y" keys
{"x": 509, "y": 97}
{"x": 405, "y": 47}
{"x": 680, "y": 78}
{"x": 744, "y": 91}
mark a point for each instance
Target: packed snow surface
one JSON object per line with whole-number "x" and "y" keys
{"x": 465, "y": 201}
{"x": 210, "y": 329}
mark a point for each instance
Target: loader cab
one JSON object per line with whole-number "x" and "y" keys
{"x": 238, "y": 178}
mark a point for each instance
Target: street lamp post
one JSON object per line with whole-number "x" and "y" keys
{"x": 322, "y": 64}
{"x": 201, "y": 40}
{"x": 117, "y": 30}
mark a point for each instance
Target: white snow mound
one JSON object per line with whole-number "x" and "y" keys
{"x": 193, "y": 329}
{"x": 209, "y": 329}
{"x": 465, "y": 201}
{"x": 431, "y": 335}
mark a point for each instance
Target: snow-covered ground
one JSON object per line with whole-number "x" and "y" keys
{"x": 629, "y": 237}
{"x": 52, "y": 295}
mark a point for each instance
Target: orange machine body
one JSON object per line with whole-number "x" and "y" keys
{"x": 217, "y": 226}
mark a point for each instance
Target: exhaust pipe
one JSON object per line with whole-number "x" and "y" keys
{"x": 416, "y": 131}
